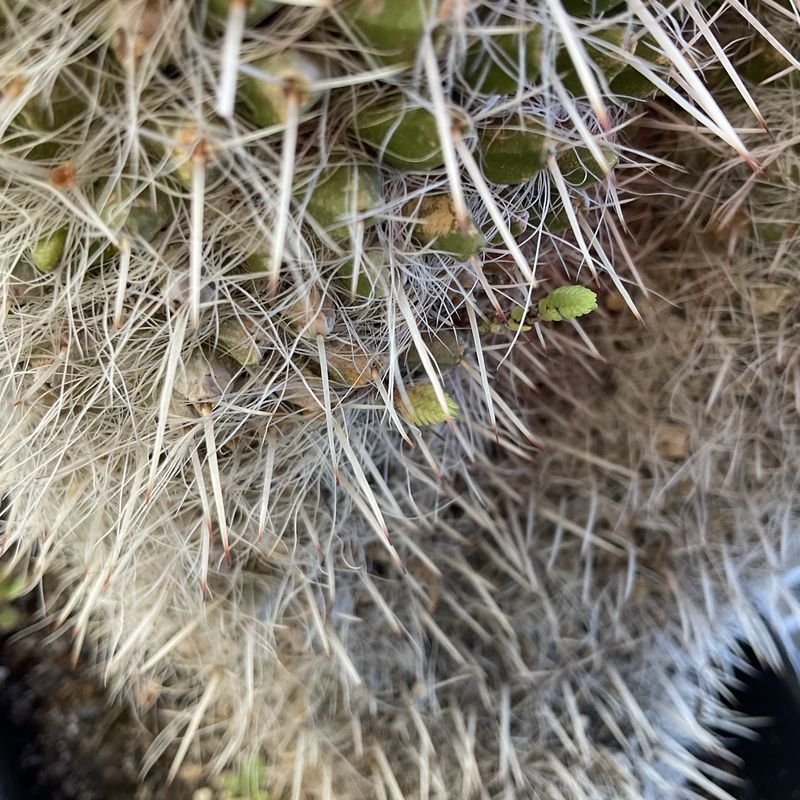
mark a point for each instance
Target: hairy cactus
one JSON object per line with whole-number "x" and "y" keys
{"x": 280, "y": 286}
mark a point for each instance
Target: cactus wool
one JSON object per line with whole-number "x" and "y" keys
{"x": 329, "y": 412}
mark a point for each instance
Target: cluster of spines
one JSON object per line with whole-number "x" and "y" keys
{"x": 273, "y": 278}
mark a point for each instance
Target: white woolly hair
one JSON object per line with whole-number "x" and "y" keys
{"x": 216, "y": 462}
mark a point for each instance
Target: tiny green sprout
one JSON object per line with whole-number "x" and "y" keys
{"x": 424, "y": 408}
{"x": 438, "y": 225}
{"x": 246, "y": 783}
{"x": 516, "y": 321}
{"x": 284, "y": 77}
{"x": 47, "y": 252}
{"x": 567, "y": 302}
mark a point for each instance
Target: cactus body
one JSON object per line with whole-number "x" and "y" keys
{"x": 406, "y": 138}
{"x": 512, "y": 155}
{"x": 439, "y": 226}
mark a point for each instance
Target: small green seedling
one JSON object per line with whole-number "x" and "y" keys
{"x": 246, "y": 783}
{"x": 424, "y": 408}
{"x": 567, "y": 302}
{"x": 285, "y": 78}
{"x": 516, "y": 320}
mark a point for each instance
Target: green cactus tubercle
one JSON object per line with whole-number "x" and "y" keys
{"x": 438, "y": 226}
{"x": 512, "y": 155}
{"x": 46, "y": 254}
{"x": 342, "y": 192}
{"x": 406, "y": 138}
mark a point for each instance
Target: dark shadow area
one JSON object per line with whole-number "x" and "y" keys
{"x": 771, "y": 762}
{"x": 61, "y": 738}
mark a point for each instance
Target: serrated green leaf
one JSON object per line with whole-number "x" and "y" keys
{"x": 424, "y": 408}
{"x": 567, "y": 302}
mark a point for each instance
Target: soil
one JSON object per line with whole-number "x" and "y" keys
{"x": 61, "y": 739}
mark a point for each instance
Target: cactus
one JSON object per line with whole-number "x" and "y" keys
{"x": 47, "y": 252}
{"x": 493, "y": 67}
{"x": 514, "y": 155}
{"x": 233, "y": 326}
{"x": 405, "y": 137}
{"x": 342, "y": 194}
{"x": 265, "y": 97}
{"x": 438, "y": 226}
{"x": 393, "y": 27}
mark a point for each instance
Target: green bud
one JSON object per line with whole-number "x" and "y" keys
{"x": 406, "y": 138}
{"x": 423, "y": 406}
{"x": 48, "y": 251}
{"x": 438, "y": 226}
{"x": 493, "y": 64}
{"x": 342, "y": 192}
{"x": 512, "y": 155}
{"x": 580, "y": 169}
{"x": 393, "y": 27}
{"x": 288, "y": 75}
